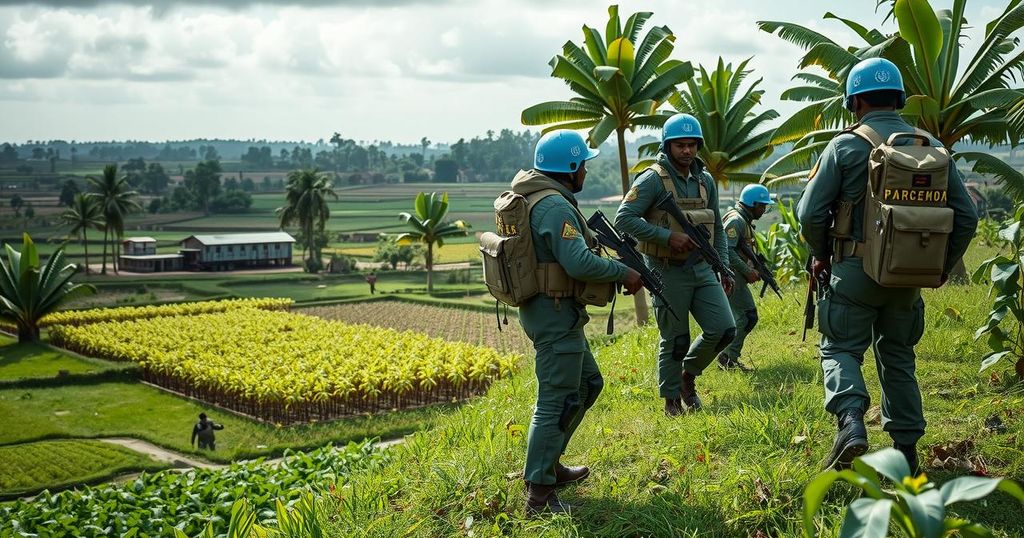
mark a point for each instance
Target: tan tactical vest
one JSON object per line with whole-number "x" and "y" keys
{"x": 906, "y": 219}
{"x": 511, "y": 270}
{"x": 695, "y": 208}
{"x": 734, "y": 213}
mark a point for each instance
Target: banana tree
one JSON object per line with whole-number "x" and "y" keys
{"x": 28, "y": 292}
{"x": 734, "y": 136}
{"x": 619, "y": 80}
{"x": 952, "y": 101}
{"x": 430, "y": 228}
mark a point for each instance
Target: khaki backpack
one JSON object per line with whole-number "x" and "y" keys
{"x": 511, "y": 270}
{"x": 906, "y": 219}
{"x": 696, "y": 209}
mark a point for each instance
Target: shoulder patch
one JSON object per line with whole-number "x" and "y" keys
{"x": 731, "y": 232}
{"x": 814, "y": 170}
{"x": 632, "y": 195}
{"x": 569, "y": 231}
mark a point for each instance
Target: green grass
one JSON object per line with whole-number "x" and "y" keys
{"x": 736, "y": 468}
{"x": 133, "y": 409}
{"x": 31, "y": 467}
{"x": 23, "y": 361}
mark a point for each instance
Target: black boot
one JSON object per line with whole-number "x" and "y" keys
{"x": 851, "y": 439}
{"x": 727, "y": 363}
{"x": 690, "y": 399}
{"x": 542, "y": 499}
{"x": 909, "y": 452}
{"x": 673, "y": 407}
{"x": 568, "y": 475}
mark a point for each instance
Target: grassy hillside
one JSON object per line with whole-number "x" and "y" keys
{"x": 736, "y": 468}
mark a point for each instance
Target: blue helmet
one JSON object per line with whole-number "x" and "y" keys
{"x": 562, "y": 150}
{"x": 755, "y": 194}
{"x": 681, "y": 126}
{"x": 872, "y": 75}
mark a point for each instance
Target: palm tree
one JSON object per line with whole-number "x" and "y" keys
{"x": 619, "y": 84}
{"x": 116, "y": 200}
{"x": 734, "y": 138}
{"x": 306, "y": 204}
{"x": 430, "y": 228}
{"x": 955, "y": 104}
{"x": 28, "y": 292}
{"x": 83, "y": 213}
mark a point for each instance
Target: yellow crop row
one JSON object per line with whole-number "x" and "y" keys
{"x": 127, "y": 313}
{"x": 261, "y": 357}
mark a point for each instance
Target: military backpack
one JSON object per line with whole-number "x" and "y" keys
{"x": 907, "y": 223}
{"x": 511, "y": 270}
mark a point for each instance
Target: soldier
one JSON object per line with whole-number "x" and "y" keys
{"x": 690, "y": 284}
{"x": 568, "y": 378}
{"x": 739, "y": 226}
{"x": 857, "y": 311}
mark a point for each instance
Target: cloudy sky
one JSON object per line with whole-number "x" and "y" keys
{"x": 301, "y": 70}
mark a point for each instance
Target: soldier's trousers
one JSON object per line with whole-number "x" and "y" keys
{"x": 568, "y": 383}
{"x": 858, "y": 313}
{"x": 744, "y": 312}
{"x": 690, "y": 290}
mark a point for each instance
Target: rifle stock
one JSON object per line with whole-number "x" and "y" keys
{"x": 624, "y": 246}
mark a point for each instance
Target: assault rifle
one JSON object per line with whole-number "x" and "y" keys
{"x": 761, "y": 266}
{"x": 624, "y": 246}
{"x": 698, "y": 234}
{"x": 815, "y": 291}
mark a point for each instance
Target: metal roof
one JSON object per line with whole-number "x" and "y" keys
{"x": 140, "y": 240}
{"x": 242, "y": 239}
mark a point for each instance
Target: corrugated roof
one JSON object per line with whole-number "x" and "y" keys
{"x": 140, "y": 240}
{"x": 242, "y": 239}
{"x": 151, "y": 256}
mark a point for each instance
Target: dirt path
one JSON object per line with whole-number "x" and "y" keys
{"x": 161, "y": 454}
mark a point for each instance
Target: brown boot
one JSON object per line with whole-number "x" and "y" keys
{"x": 542, "y": 499}
{"x": 568, "y": 475}
{"x": 673, "y": 407}
{"x": 691, "y": 401}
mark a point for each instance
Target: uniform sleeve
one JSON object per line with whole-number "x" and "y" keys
{"x": 735, "y": 231}
{"x": 815, "y": 205}
{"x": 720, "y": 243}
{"x": 560, "y": 229}
{"x": 640, "y": 197}
{"x": 965, "y": 217}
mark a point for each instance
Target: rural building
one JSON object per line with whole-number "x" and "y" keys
{"x": 236, "y": 251}
{"x": 140, "y": 257}
{"x": 223, "y": 252}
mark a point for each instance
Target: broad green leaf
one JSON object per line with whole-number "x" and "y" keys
{"x": 926, "y": 511}
{"x": 621, "y": 55}
{"x": 889, "y": 462}
{"x": 967, "y": 488}
{"x": 814, "y": 494}
{"x": 920, "y": 27}
{"x": 601, "y": 131}
{"x": 991, "y": 359}
{"x": 922, "y": 106}
{"x": 866, "y": 518}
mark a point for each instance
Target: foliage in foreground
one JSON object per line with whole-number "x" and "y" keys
{"x": 285, "y": 367}
{"x": 915, "y": 505}
{"x": 160, "y": 503}
{"x": 29, "y": 291}
{"x": 1005, "y": 323}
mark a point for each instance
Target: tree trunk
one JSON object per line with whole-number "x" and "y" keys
{"x": 115, "y": 249}
{"x": 430, "y": 268}
{"x": 85, "y": 244}
{"x": 640, "y": 297}
{"x": 103, "y": 268}
{"x": 28, "y": 333}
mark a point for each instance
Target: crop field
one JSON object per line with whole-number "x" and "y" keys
{"x": 449, "y": 253}
{"x": 286, "y": 368}
{"x": 53, "y": 464}
{"x": 129, "y": 313}
{"x": 453, "y": 324}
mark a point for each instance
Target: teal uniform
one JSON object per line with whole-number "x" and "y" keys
{"x": 691, "y": 287}
{"x": 568, "y": 379}
{"x": 857, "y": 312}
{"x": 739, "y": 226}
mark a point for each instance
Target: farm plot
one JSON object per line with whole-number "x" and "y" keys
{"x": 462, "y": 325}
{"x": 285, "y": 368}
{"x": 128, "y": 313}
